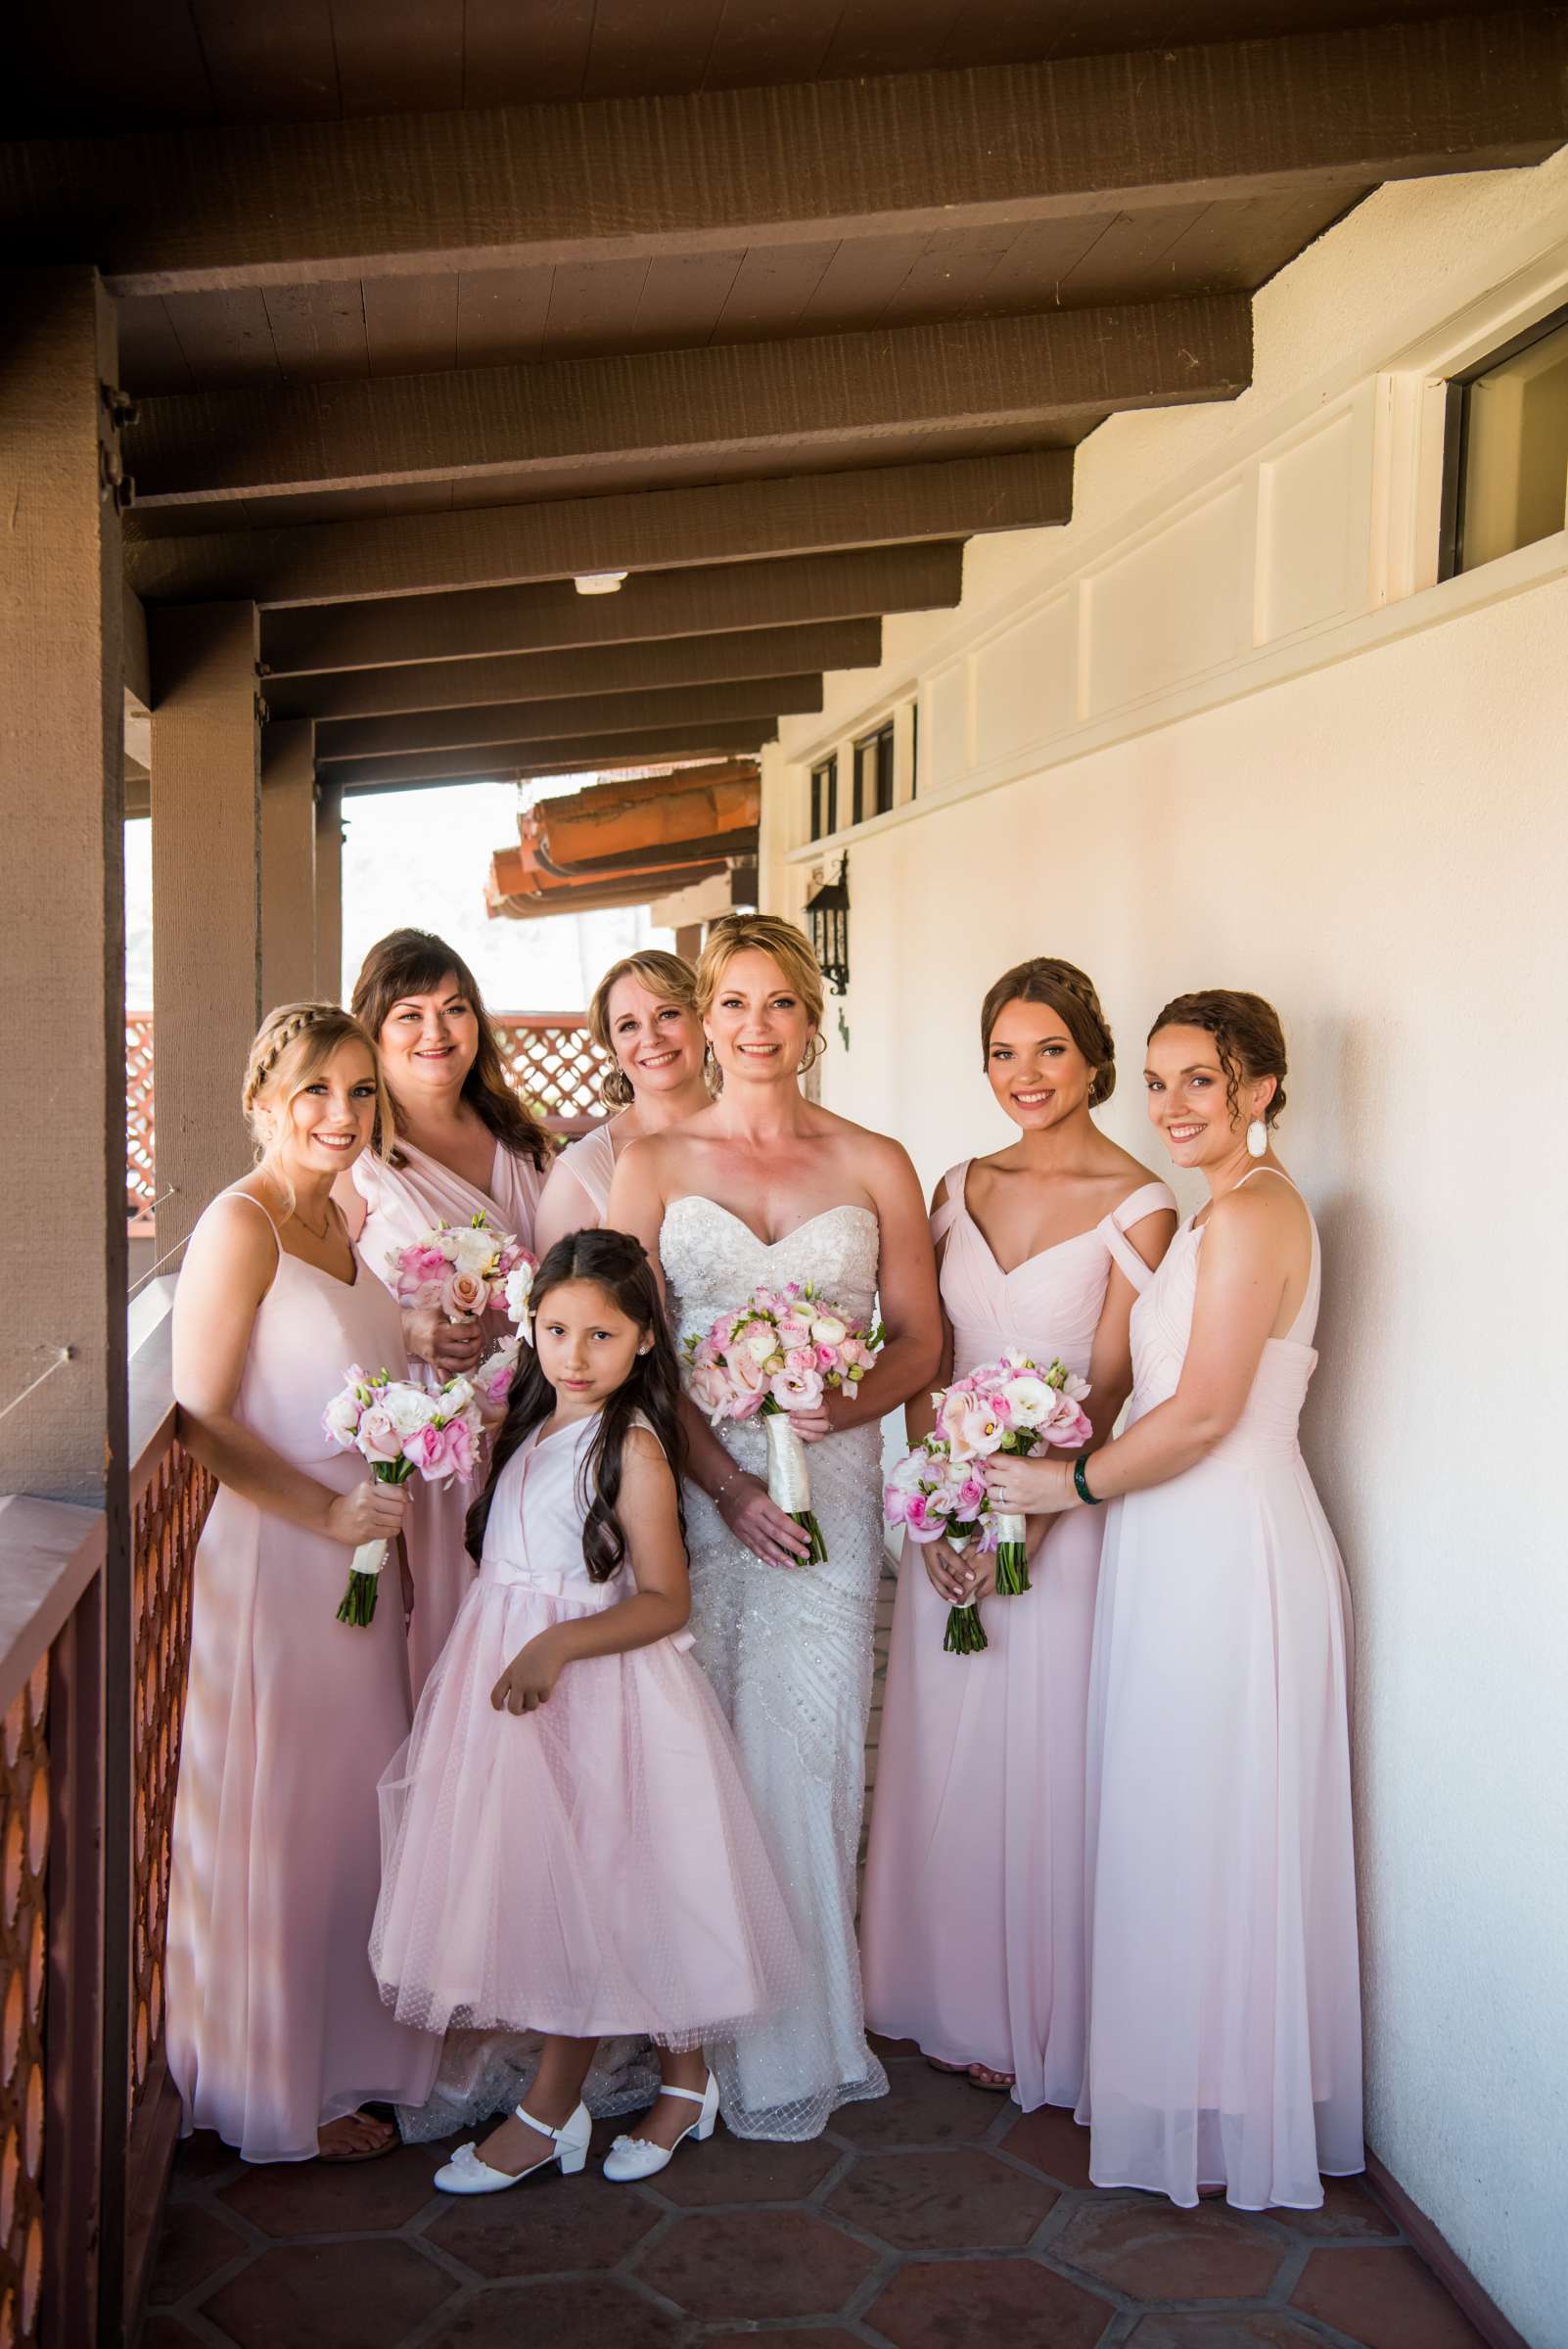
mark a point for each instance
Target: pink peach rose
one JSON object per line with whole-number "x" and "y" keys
{"x": 463, "y": 1296}
{"x": 378, "y": 1438}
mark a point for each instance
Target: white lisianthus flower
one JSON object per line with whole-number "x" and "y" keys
{"x": 473, "y": 1251}
{"x": 409, "y": 1409}
{"x": 519, "y": 1289}
{"x": 1030, "y": 1399}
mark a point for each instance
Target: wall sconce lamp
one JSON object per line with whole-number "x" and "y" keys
{"x": 827, "y": 915}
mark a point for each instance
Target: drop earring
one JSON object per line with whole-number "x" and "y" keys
{"x": 1257, "y": 1138}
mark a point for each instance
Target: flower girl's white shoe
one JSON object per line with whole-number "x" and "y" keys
{"x": 466, "y": 2173}
{"x": 632, "y": 2157}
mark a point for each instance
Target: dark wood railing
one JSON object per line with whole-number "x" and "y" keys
{"x": 89, "y": 1754}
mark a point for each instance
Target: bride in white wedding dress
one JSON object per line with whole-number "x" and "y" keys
{"x": 767, "y": 1187}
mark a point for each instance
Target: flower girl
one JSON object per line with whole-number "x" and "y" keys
{"x": 569, "y": 1845}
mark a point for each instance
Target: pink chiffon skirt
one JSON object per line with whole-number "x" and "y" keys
{"x": 590, "y": 1868}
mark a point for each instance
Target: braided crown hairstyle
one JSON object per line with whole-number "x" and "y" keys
{"x": 1247, "y": 1038}
{"x": 617, "y": 1263}
{"x": 1070, "y": 993}
{"x": 292, "y": 1047}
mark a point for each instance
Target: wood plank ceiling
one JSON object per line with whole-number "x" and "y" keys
{"x": 428, "y": 305}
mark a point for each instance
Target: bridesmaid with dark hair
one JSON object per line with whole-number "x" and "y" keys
{"x": 465, "y": 1145}
{"x": 972, "y": 1927}
{"x": 1224, "y": 2052}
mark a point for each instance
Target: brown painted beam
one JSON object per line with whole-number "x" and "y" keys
{"x": 597, "y": 669}
{"x": 1054, "y": 375}
{"x": 568, "y": 755}
{"x": 644, "y": 530}
{"x": 859, "y": 585}
{"x": 356, "y": 738}
{"x": 276, "y": 203}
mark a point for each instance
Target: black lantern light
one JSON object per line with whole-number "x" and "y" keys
{"x": 827, "y": 915}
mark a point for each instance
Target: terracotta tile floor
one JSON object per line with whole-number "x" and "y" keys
{"x": 937, "y": 2218}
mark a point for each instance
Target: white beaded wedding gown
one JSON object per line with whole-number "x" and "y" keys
{"x": 789, "y": 1652}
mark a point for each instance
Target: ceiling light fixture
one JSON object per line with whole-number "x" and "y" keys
{"x": 598, "y": 582}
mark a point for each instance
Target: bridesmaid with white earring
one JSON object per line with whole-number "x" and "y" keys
{"x": 644, "y": 1016}
{"x": 1225, "y": 2051}
{"x": 972, "y": 1925}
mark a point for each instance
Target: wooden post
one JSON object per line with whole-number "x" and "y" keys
{"x": 329, "y": 893}
{"x": 287, "y": 863}
{"x": 689, "y": 941}
{"x": 63, "y": 1079}
{"x": 206, "y": 900}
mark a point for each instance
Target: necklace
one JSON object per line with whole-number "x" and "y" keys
{"x": 326, "y": 1222}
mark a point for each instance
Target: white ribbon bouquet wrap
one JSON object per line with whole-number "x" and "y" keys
{"x": 779, "y": 1354}
{"x": 404, "y": 1431}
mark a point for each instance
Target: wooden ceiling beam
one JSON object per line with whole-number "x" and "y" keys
{"x": 857, "y": 585}
{"x": 1053, "y": 375}
{"x": 290, "y": 204}
{"x": 647, "y": 529}
{"x": 459, "y": 685}
{"x": 505, "y": 762}
{"x": 355, "y": 738}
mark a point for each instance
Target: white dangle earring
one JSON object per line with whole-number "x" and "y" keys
{"x": 1257, "y": 1138}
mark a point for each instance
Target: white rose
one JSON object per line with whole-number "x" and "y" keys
{"x": 828, "y": 1330}
{"x": 455, "y": 1396}
{"x": 340, "y": 1419}
{"x": 473, "y": 1252}
{"x": 762, "y": 1343}
{"x": 519, "y": 1289}
{"x": 407, "y": 1408}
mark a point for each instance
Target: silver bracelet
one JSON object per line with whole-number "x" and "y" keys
{"x": 717, "y": 1495}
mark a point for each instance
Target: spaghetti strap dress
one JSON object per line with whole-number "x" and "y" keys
{"x": 1225, "y": 2043}
{"x": 972, "y": 1923}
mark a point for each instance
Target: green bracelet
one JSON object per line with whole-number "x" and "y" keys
{"x": 1080, "y": 1485}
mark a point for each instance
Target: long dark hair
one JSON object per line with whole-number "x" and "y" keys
{"x": 414, "y": 962}
{"x": 619, "y": 1264}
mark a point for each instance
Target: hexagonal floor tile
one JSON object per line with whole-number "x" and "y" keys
{"x": 1229, "y": 2329}
{"x": 165, "y": 2333}
{"x": 819, "y": 2336}
{"x": 924, "y": 2108}
{"x": 542, "y": 2228}
{"x": 739, "y": 2169}
{"x": 1385, "y": 2299}
{"x": 1050, "y": 2141}
{"x": 1349, "y": 2215}
{"x": 953, "y": 2303}
{"x": 962, "y": 2200}
{"x": 367, "y": 2295}
{"x": 1150, "y": 2251}
{"x": 751, "y": 2264}
{"x": 584, "y": 2314}
{"x": 195, "y": 2242}
{"x": 321, "y": 2197}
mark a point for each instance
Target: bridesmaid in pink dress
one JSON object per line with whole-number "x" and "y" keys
{"x": 277, "y": 2034}
{"x": 972, "y": 1925}
{"x": 1224, "y": 2011}
{"x": 644, "y": 1015}
{"x": 465, "y": 1145}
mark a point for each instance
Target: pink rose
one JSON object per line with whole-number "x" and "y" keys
{"x": 378, "y": 1438}
{"x": 747, "y": 1406}
{"x": 800, "y": 1360}
{"x": 426, "y": 1450}
{"x": 460, "y": 1447}
{"x": 708, "y": 1390}
{"x": 746, "y": 1376}
{"x": 921, "y": 1523}
{"x": 794, "y": 1331}
{"x": 463, "y": 1296}
{"x": 968, "y": 1498}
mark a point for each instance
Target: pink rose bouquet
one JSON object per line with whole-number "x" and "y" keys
{"x": 938, "y": 1490}
{"x": 402, "y": 1430}
{"x": 779, "y": 1354}
{"x": 461, "y": 1269}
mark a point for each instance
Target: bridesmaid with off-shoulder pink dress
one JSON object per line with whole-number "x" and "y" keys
{"x": 277, "y": 2035}
{"x": 972, "y": 1925}
{"x": 465, "y": 1146}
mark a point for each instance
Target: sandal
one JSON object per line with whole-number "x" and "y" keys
{"x": 337, "y": 2160}
{"x": 996, "y": 2084}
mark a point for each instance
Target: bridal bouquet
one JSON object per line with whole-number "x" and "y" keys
{"x": 462, "y": 1269}
{"x": 938, "y": 1490}
{"x": 402, "y": 1430}
{"x": 779, "y": 1354}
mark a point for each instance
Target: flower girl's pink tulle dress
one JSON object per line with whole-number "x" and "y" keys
{"x": 275, "y": 2024}
{"x": 592, "y": 1867}
{"x": 972, "y": 1925}
{"x": 1224, "y": 2005}
{"x": 402, "y": 1204}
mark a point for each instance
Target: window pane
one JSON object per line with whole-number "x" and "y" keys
{"x": 1514, "y": 481}
{"x": 884, "y": 770}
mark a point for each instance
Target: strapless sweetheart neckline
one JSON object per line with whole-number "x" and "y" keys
{"x": 846, "y": 1207}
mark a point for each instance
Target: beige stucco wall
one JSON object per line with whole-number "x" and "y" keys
{"x": 1379, "y": 844}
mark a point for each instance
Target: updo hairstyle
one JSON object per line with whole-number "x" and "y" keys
{"x": 292, "y": 1045}
{"x": 1247, "y": 1036}
{"x": 1070, "y": 993}
{"x": 761, "y": 934}
{"x": 665, "y": 976}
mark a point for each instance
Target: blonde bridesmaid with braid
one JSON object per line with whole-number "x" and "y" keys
{"x": 277, "y": 2035}
{"x": 644, "y": 1016}
{"x": 465, "y": 1145}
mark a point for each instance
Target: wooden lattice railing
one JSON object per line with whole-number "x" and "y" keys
{"x": 24, "y": 1820}
{"x": 550, "y": 1059}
